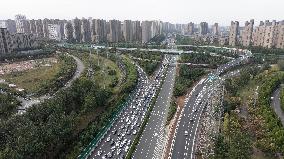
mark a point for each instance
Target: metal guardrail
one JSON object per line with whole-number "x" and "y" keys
{"x": 94, "y": 143}
{"x": 97, "y": 139}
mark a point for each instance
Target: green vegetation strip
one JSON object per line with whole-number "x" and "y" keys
{"x": 172, "y": 111}
{"x": 145, "y": 121}
{"x": 282, "y": 99}
{"x": 126, "y": 88}
{"x": 88, "y": 150}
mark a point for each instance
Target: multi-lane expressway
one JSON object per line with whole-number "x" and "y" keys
{"x": 118, "y": 139}
{"x": 154, "y": 135}
{"x": 183, "y": 144}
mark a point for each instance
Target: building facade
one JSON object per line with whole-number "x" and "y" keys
{"x": 247, "y": 33}
{"x": 5, "y": 41}
{"x": 203, "y": 30}
{"x": 54, "y": 32}
{"x": 86, "y": 31}
{"x": 234, "y": 31}
{"x": 22, "y": 24}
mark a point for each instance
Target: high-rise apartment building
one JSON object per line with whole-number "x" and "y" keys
{"x": 77, "y": 33}
{"x": 68, "y": 31}
{"x": 9, "y": 24}
{"x": 98, "y": 30}
{"x": 33, "y": 26}
{"x": 280, "y": 38}
{"x": 54, "y": 32}
{"x": 203, "y": 30}
{"x": 215, "y": 29}
{"x": 5, "y": 41}
{"x": 45, "y": 23}
{"x": 234, "y": 31}
{"x": 128, "y": 31}
{"x": 190, "y": 28}
{"x": 115, "y": 31}
{"x": 247, "y": 33}
{"x": 258, "y": 34}
{"x": 22, "y": 41}
{"x": 137, "y": 31}
{"x": 146, "y": 31}
{"x": 39, "y": 28}
{"x": 22, "y": 24}
{"x": 86, "y": 31}
{"x": 156, "y": 28}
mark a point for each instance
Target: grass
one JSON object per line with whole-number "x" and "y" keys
{"x": 32, "y": 80}
{"x": 111, "y": 75}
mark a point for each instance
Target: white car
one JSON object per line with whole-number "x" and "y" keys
{"x": 126, "y": 148}
{"x": 185, "y": 133}
{"x": 100, "y": 152}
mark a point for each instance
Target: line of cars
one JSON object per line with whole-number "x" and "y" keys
{"x": 117, "y": 141}
{"x": 184, "y": 140}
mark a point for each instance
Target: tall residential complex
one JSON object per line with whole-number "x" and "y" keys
{"x": 234, "y": 31}
{"x": 203, "y": 30}
{"x": 269, "y": 34}
{"x": 5, "y": 41}
{"x": 22, "y": 24}
{"x": 136, "y": 31}
{"x": 68, "y": 32}
{"x": 215, "y": 29}
{"x": 115, "y": 31}
{"x": 247, "y": 33}
{"x": 45, "y": 23}
{"x": 98, "y": 30}
{"x": 39, "y": 28}
{"x": 190, "y": 28}
{"x": 9, "y": 24}
{"x": 33, "y": 26}
{"x": 86, "y": 31}
{"x": 77, "y": 33}
{"x": 146, "y": 31}
{"x": 128, "y": 31}
{"x": 54, "y": 32}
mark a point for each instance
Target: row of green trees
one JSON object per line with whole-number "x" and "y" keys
{"x": 149, "y": 66}
{"x": 272, "y": 138}
{"x": 185, "y": 78}
{"x": 8, "y": 105}
{"x": 67, "y": 70}
{"x": 155, "y": 56}
{"x": 234, "y": 140}
{"x": 282, "y": 99}
{"x": 203, "y": 58}
{"x": 62, "y": 126}
{"x": 47, "y": 130}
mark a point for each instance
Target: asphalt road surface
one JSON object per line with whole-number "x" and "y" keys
{"x": 277, "y": 105}
{"x": 184, "y": 140}
{"x": 153, "y": 137}
{"x": 26, "y": 103}
{"x": 189, "y": 120}
{"x": 116, "y": 142}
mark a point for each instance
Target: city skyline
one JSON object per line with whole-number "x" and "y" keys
{"x": 180, "y": 11}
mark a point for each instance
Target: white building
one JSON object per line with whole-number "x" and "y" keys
{"x": 54, "y": 32}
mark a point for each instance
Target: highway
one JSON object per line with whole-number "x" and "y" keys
{"x": 153, "y": 138}
{"x": 183, "y": 145}
{"x": 118, "y": 139}
{"x": 276, "y": 104}
{"x": 189, "y": 120}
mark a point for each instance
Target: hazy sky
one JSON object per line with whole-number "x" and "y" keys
{"x": 175, "y": 11}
